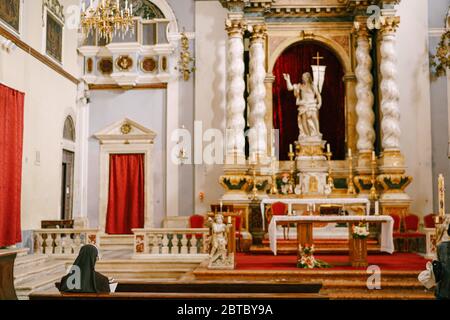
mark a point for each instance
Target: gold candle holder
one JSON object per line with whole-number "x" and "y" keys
{"x": 350, "y": 184}
{"x": 330, "y": 180}
{"x": 274, "y": 188}
{"x": 373, "y": 190}
{"x": 255, "y": 188}
{"x": 291, "y": 156}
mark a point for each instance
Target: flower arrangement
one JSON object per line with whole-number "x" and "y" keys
{"x": 360, "y": 232}
{"x": 284, "y": 184}
{"x": 307, "y": 260}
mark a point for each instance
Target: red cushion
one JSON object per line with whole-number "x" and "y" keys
{"x": 429, "y": 221}
{"x": 411, "y": 223}
{"x": 398, "y": 234}
{"x": 196, "y": 221}
{"x": 279, "y": 209}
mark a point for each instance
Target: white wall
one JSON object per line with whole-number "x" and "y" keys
{"x": 414, "y": 86}
{"x": 49, "y": 97}
{"x": 146, "y": 107}
{"x": 210, "y": 86}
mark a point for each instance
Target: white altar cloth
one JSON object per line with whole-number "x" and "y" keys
{"x": 387, "y": 227}
{"x": 314, "y": 201}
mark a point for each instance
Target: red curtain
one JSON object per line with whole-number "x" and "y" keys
{"x": 296, "y": 60}
{"x": 11, "y": 142}
{"x": 126, "y": 193}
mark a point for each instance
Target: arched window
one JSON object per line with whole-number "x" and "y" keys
{"x": 69, "y": 129}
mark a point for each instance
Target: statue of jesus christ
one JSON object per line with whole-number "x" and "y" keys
{"x": 308, "y": 101}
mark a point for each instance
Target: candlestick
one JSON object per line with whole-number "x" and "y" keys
{"x": 373, "y": 188}
{"x": 350, "y": 185}
{"x": 441, "y": 190}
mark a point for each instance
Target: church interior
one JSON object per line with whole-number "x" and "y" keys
{"x": 224, "y": 149}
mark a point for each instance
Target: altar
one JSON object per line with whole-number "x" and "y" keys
{"x": 305, "y": 232}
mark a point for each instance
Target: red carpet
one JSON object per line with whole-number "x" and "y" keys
{"x": 396, "y": 261}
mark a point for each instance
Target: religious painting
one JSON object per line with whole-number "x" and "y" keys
{"x": 10, "y": 13}
{"x": 105, "y": 66}
{"x": 148, "y": 64}
{"x": 124, "y": 63}
{"x": 54, "y": 38}
{"x": 146, "y": 9}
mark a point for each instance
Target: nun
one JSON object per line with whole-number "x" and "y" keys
{"x": 82, "y": 277}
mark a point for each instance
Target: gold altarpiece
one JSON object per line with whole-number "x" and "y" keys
{"x": 337, "y": 25}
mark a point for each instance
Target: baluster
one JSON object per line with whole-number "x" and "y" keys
{"x": 193, "y": 248}
{"x": 204, "y": 247}
{"x": 175, "y": 244}
{"x": 40, "y": 243}
{"x": 45, "y": 249}
{"x": 58, "y": 243}
{"x": 68, "y": 244}
{"x": 76, "y": 243}
{"x": 184, "y": 242}
{"x": 155, "y": 242}
{"x": 165, "y": 244}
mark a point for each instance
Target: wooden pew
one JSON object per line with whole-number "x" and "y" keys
{"x": 173, "y": 295}
{"x": 196, "y": 290}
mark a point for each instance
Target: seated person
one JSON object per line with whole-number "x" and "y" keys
{"x": 82, "y": 277}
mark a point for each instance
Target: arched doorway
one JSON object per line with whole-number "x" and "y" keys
{"x": 67, "y": 169}
{"x": 295, "y": 60}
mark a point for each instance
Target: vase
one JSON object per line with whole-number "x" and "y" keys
{"x": 358, "y": 252}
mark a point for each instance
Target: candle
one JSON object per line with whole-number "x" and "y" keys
{"x": 314, "y": 207}
{"x": 328, "y": 148}
{"x": 221, "y": 204}
{"x": 290, "y": 148}
{"x": 377, "y": 208}
{"x": 229, "y": 219}
{"x": 441, "y": 191}
{"x": 349, "y": 152}
{"x": 373, "y": 156}
{"x": 84, "y": 7}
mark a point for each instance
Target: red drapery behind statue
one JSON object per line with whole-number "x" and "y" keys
{"x": 126, "y": 193}
{"x": 296, "y": 60}
{"x": 11, "y": 142}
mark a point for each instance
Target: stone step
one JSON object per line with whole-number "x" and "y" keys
{"x": 30, "y": 272}
{"x": 351, "y": 284}
{"x": 116, "y": 242}
{"x": 380, "y": 295}
{"x": 130, "y": 274}
{"x": 143, "y": 265}
{"x": 39, "y": 283}
{"x": 34, "y": 259}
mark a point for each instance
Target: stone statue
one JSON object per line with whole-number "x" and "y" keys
{"x": 309, "y": 102}
{"x": 219, "y": 240}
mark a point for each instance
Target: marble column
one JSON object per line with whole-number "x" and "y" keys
{"x": 392, "y": 177}
{"x": 390, "y": 123}
{"x": 256, "y": 100}
{"x": 364, "y": 106}
{"x": 235, "y": 92}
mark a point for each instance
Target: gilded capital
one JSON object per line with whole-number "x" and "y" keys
{"x": 259, "y": 32}
{"x": 235, "y": 27}
{"x": 389, "y": 24}
{"x": 360, "y": 29}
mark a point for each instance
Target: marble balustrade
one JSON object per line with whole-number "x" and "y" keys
{"x": 64, "y": 241}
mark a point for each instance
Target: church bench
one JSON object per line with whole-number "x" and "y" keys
{"x": 210, "y": 287}
{"x": 172, "y": 295}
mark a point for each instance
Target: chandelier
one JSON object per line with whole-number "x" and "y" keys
{"x": 109, "y": 18}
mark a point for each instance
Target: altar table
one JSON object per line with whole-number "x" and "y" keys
{"x": 305, "y": 228}
{"x": 314, "y": 201}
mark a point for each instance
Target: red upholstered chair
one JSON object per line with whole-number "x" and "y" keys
{"x": 397, "y": 234}
{"x": 279, "y": 209}
{"x": 412, "y": 230}
{"x": 196, "y": 221}
{"x": 429, "y": 221}
{"x": 237, "y": 231}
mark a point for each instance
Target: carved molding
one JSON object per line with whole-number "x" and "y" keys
{"x": 54, "y": 7}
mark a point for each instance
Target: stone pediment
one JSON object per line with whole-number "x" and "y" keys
{"x": 125, "y": 131}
